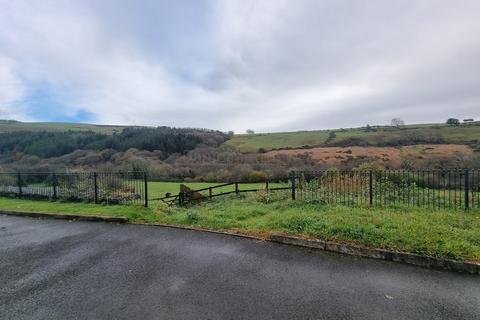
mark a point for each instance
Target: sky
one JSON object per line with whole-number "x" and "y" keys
{"x": 265, "y": 65}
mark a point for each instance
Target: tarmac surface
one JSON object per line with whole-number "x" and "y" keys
{"x": 55, "y": 269}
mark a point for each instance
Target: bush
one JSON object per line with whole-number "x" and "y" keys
{"x": 256, "y": 176}
{"x": 453, "y": 121}
{"x": 268, "y": 197}
{"x": 192, "y": 215}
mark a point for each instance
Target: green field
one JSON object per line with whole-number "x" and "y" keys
{"x": 158, "y": 189}
{"x": 6, "y": 126}
{"x": 382, "y": 135}
{"x": 437, "y": 233}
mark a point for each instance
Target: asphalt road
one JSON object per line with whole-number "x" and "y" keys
{"x": 53, "y": 269}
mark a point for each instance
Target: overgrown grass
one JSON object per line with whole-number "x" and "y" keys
{"x": 438, "y": 233}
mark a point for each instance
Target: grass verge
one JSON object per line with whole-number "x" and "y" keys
{"x": 437, "y": 233}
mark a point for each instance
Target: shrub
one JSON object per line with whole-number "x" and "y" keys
{"x": 453, "y": 121}
{"x": 256, "y": 175}
{"x": 192, "y": 215}
{"x": 268, "y": 197}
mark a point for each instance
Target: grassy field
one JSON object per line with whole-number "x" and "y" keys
{"x": 438, "y": 233}
{"x": 158, "y": 189}
{"x": 58, "y": 126}
{"x": 268, "y": 141}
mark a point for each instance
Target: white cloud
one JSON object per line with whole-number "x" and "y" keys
{"x": 265, "y": 65}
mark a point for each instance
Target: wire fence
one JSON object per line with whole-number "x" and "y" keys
{"x": 97, "y": 187}
{"x": 459, "y": 189}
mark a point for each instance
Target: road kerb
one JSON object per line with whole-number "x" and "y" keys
{"x": 65, "y": 216}
{"x": 382, "y": 254}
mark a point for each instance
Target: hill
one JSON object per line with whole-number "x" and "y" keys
{"x": 174, "y": 154}
{"x": 378, "y": 136}
{"x": 46, "y": 144}
{"x": 15, "y": 126}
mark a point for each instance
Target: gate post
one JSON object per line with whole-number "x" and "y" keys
{"x": 145, "y": 181}
{"x": 292, "y": 177}
{"x": 19, "y": 183}
{"x": 181, "y": 198}
{"x": 54, "y": 176}
{"x": 95, "y": 187}
{"x": 467, "y": 190}
{"x": 370, "y": 186}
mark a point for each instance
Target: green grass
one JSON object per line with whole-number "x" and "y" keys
{"x": 73, "y": 207}
{"x": 58, "y": 126}
{"x": 438, "y": 233}
{"x": 269, "y": 141}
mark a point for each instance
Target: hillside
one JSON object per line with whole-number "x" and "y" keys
{"x": 379, "y": 136}
{"x": 419, "y": 156}
{"x": 15, "y": 126}
{"x": 174, "y": 154}
{"x": 46, "y": 144}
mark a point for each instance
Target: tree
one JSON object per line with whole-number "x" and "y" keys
{"x": 396, "y": 122}
{"x": 453, "y": 121}
{"x": 250, "y": 131}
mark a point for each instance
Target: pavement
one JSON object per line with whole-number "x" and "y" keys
{"x": 55, "y": 269}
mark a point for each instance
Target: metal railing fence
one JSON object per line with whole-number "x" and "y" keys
{"x": 453, "y": 188}
{"x": 97, "y": 187}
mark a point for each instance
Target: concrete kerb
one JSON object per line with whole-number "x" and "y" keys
{"x": 65, "y": 216}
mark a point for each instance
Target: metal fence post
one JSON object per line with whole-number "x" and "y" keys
{"x": 292, "y": 177}
{"x": 467, "y": 190}
{"x": 19, "y": 183}
{"x": 370, "y": 186}
{"x": 145, "y": 180}
{"x": 95, "y": 187}
{"x": 54, "y": 177}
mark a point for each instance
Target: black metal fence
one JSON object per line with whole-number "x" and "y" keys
{"x": 97, "y": 187}
{"x": 420, "y": 188}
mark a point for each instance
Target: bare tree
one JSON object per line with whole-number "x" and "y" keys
{"x": 396, "y": 122}
{"x": 250, "y": 131}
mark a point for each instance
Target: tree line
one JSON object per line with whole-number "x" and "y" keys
{"x": 168, "y": 140}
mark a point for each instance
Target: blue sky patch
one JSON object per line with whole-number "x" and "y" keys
{"x": 45, "y": 105}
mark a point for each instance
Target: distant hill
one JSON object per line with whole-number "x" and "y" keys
{"x": 189, "y": 154}
{"x": 15, "y": 126}
{"x": 379, "y": 136}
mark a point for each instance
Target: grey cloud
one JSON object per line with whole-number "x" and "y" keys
{"x": 266, "y": 65}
